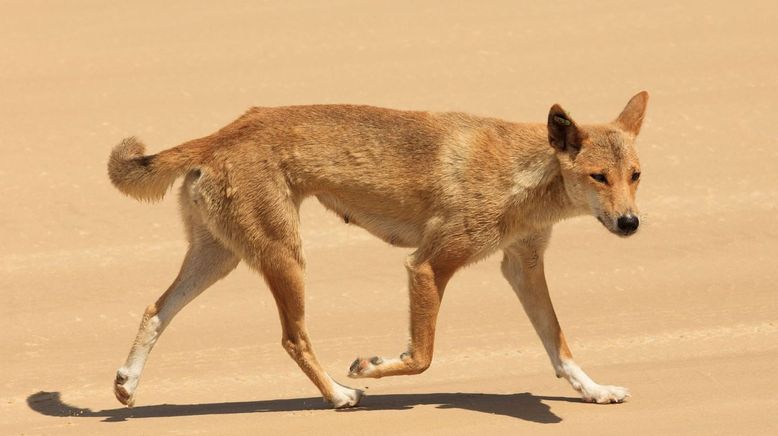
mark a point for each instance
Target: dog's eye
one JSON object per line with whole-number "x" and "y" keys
{"x": 635, "y": 176}
{"x": 599, "y": 177}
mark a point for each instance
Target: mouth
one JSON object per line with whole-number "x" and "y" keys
{"x": 611, "y": 226}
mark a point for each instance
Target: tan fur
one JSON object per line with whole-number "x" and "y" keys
{"x": 454, "y": 186}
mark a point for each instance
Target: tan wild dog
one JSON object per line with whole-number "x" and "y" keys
{"x": 455, "y": 187}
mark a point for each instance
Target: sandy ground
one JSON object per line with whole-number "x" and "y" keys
{"x": 684, "y": 314}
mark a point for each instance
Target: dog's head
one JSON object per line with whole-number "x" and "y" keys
{"x": 599, "y": 164}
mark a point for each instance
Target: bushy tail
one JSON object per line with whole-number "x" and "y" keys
{"x": 145, "y": 178}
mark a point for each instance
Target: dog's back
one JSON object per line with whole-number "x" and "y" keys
{"x": 392, "y": 172}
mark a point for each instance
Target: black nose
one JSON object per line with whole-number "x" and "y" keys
{"x": 628, "y": 224}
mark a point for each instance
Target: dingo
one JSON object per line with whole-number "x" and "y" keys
{"x": 455, "y": 187}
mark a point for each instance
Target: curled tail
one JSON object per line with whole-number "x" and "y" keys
{"x": 146, "y": 177}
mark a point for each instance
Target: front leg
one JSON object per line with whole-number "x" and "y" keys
{"x": 427, "y": 278}
{"x": 523, "y": 267}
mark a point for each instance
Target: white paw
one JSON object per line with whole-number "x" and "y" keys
{"x": 362, "y": 368}
{"x": 124, "y": 386}
{"x": 344, "y": 396}
{"x": 604, "y": 394}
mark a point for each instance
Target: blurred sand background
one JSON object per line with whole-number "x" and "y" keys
{"x": 685, "y": 314}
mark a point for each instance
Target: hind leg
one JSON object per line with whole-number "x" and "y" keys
{"x": 282, "y": 267}
{"x": 206, "y": 262}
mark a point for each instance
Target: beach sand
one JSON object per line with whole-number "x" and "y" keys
{"x": 684, "y": 314}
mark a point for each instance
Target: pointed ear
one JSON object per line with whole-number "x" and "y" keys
{"x": 563, "y": 133}
{"x": 631, "y": 118}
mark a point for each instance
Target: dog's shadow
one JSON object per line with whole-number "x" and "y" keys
{"x": 522, "y": 406}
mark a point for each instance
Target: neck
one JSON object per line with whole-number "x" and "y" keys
{"x": 538, "y": 199}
